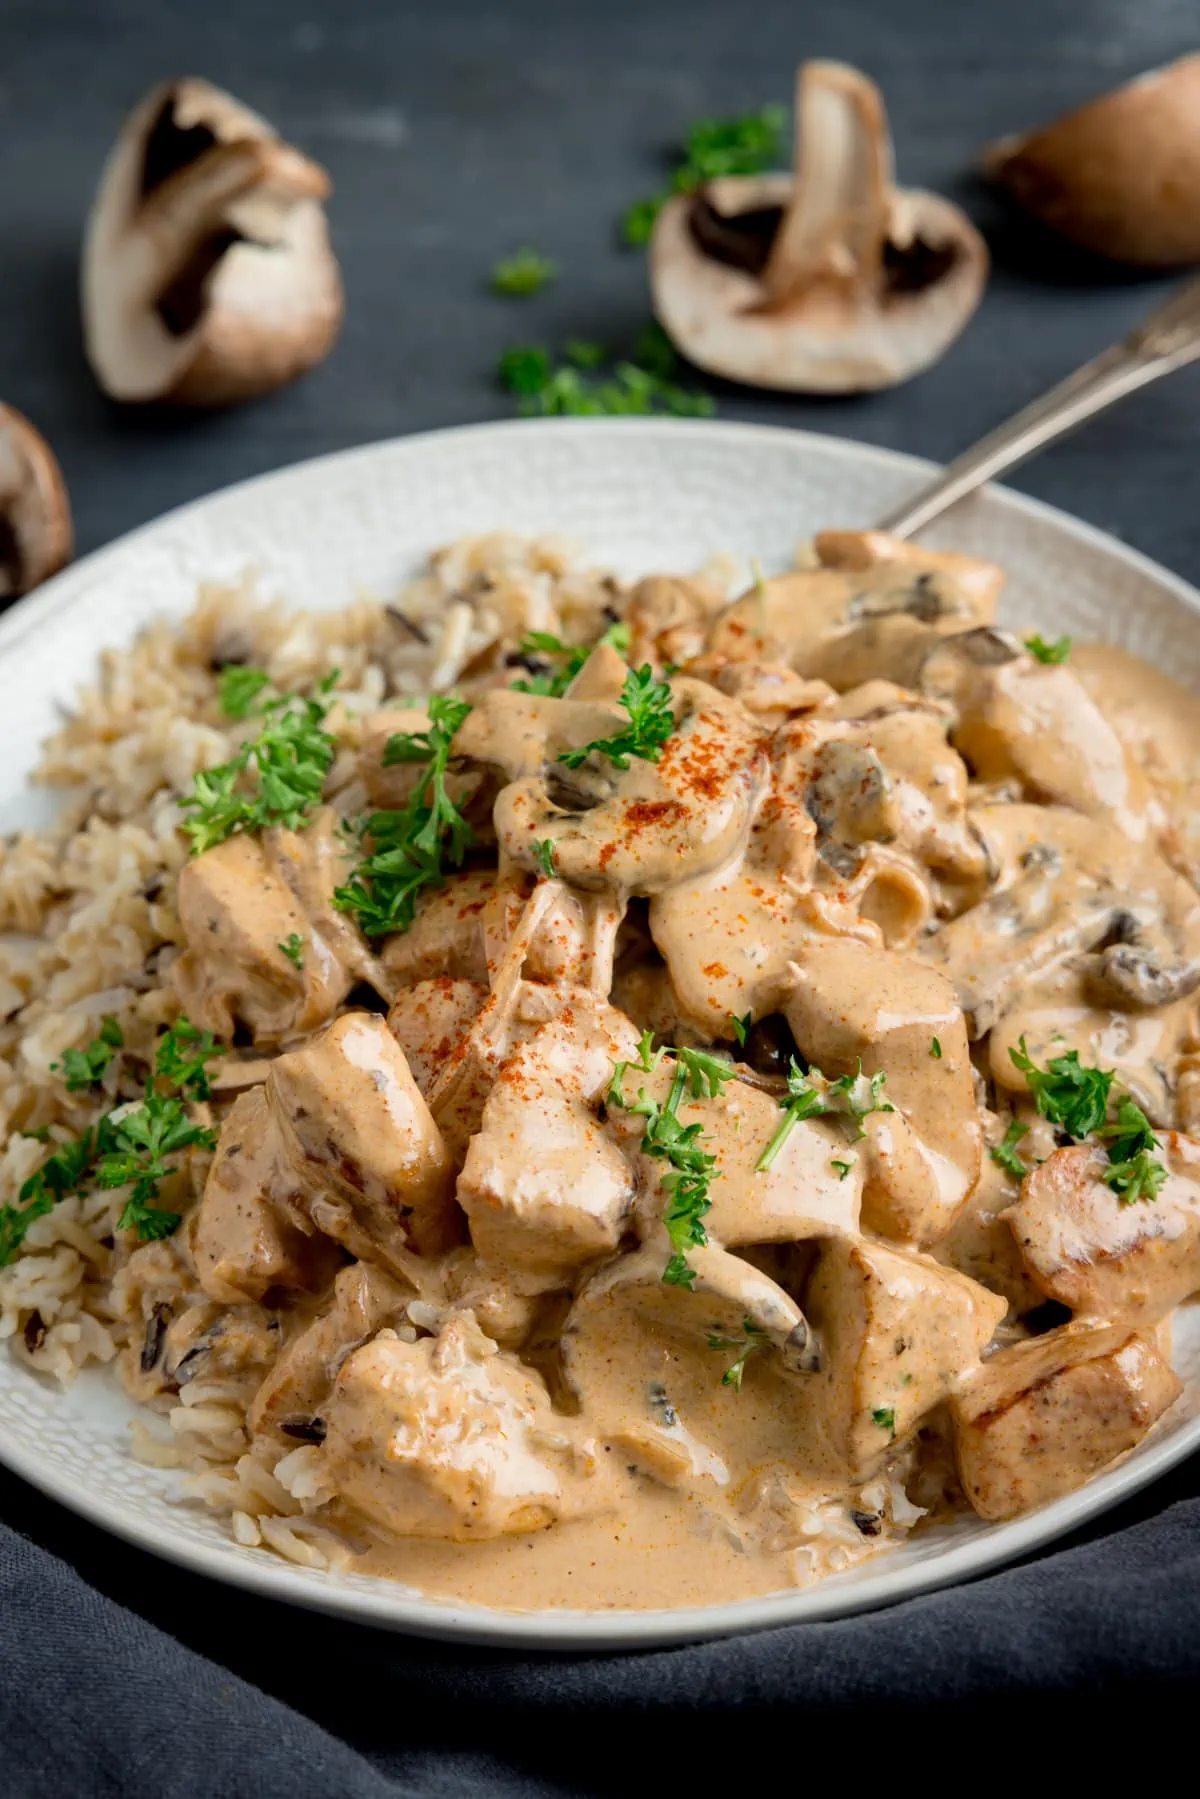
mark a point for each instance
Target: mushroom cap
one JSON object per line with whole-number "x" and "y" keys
{"x": 35, "y": 516}
{"x": 861, "y": 285}
{"x": 1119, "y": 176}
{"x": 208, "y": 277}
{"x": 828, "y": 340}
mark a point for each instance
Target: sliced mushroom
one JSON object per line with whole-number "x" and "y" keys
{"x": 829, "y": 280}
{"x": 35, "y": 518}
{"x": 1119, "y": 176}
{"x": 207, "y": 272}
{"x": 1137, "y": 967}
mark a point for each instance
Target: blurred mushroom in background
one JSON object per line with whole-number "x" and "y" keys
{"x": 828, "y": 280}
{"x": 208, "y": 277}
{"x": 35, "y": 517}
{"x": 1119, "y": 176}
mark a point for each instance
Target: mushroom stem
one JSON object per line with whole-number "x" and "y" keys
{"x": 835, "y": 225}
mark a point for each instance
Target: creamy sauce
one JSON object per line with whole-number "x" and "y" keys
{"x": 615, "y": 1333}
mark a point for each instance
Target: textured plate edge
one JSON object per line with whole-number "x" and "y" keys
{"x": 395, "y": 1608}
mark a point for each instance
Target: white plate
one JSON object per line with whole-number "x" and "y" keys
{"x": 638, "y": 495}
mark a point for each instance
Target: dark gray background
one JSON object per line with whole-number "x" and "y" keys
{"x": 455, "y": 131}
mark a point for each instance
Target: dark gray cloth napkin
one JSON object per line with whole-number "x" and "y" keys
{"x": 97, "y": 1700}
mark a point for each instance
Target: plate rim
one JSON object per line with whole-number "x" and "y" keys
{"x": 393, "y": 1606}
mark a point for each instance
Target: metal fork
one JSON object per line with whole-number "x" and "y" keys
{"x": 1166, "y": 341}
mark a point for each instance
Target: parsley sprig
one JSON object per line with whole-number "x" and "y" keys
{"x": 580, "y": 385}
{"x": 238, "y": 688}
{"x": 1076, "y": 1100}
{"x": 1005, "y": 1153}
{"x": 411, "y": 846}
{"x": 275, "y": 778}
{"x": 712, "y": 148}
{"x": 812, "y": 1094}
{"x": 523, "y": 273}
{"x": 82, "y": 1068}
{"x": 651, "y": 722}
{"x": 137, "y": 1144}
{"x": 1133, "y": 1173}
{"x": 691, "y": 1169}
{"x": 293, "y": 948}
{"x": 571, "y": 656}
{"x": 753, "y": 1337}
{"x": 1066, "y": 1093}
{"x": 1058, "y": 651}
{"x": 129, "y": 1146}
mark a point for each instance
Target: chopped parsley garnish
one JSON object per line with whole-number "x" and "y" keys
{"x": 1005, "y": 1152}
{"x": 1058, "y": 651}
{"x": 741, "y": 1028}
{"x": 137, "y": 1144}
{"x": 935, "y": 1048}
{"x": 239, "y": 687}
{"x": 275, "y": 778}
{"x": 543, "y": 850}
{"x": 692, "y": 1170}
{"x": 713, "y": 147}
{"x": 843, "y": 1168}
{"x": 293, "y": 948}
{"x": 82, "y": 1068}
{"x": 180, "y": 1057}
{"x": 1132, "y": 1171}
{"x": 411, "y": 847}
{"x": 574, "y": 656}
{"x": 523, "y": 273}
{"x": 581, "y": 387}
{"x": 753, "y": 1337}
{"x": 813, "y": 1095}
{"x": 62, "y": 1173}
{"x": 885, "y": 1417}
{"x": 1067, "y": 1094}
{"x": 651, "y": 722}
{"x": 127, "y": 1146}
{"x": 1076, "y": 1099}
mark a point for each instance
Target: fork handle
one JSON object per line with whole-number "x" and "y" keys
{"x": 1164, "y": 342}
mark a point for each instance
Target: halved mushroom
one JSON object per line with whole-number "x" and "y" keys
{"x": 35, "y": 518}
{"x": 207, "y": 272}
{"x": 829, "y": 280}
{"x": 1119, "y": 176}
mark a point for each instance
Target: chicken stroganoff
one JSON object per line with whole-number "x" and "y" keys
{"x": 639, "y": 1097}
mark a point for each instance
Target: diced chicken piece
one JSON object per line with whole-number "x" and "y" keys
{"x": 802, "y": 1194}
{"x": 1106, "y": 1259}
{"x": 243, "y": 1239}
{"x": 898, "y": 1334}
{"x": 849, "y": 1004}
{"x": 447, "y": 1437}
{"x": 980, "y": 1244}
{"x": 461, "y": 930}
{"x": 292, "y": 1398}
{"x": 389, "y": 787}
{"x": 358, "y": 1137}
{"x": 1041, "y": 1418}
{"x": 543, "y": 1185}
{"x": 430, "y": 1020}
{"x": 265, "y": 943}
{"x": 1019, "y": 718}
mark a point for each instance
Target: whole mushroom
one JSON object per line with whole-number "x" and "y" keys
{"x": 1119, "y": 176}
{"x": 35, "y": 518}
{"x": 828, "y": 280}
{"x": 208, "y": 276}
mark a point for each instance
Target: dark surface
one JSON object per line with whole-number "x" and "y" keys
{"x": 453, "y": 133}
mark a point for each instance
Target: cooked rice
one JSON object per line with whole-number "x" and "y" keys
{"x": 88, "y": 929}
